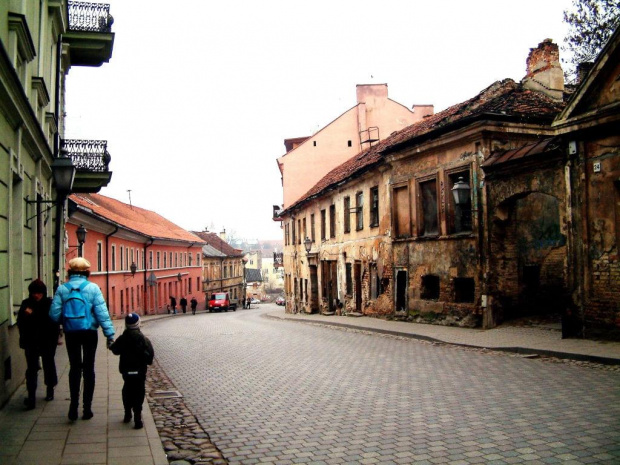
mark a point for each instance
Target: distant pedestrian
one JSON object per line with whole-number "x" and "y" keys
{"x": 249, "y": 301}
{"x": 183, "y": 303}
{"x": 80, "y": 307}
{"x": 193, "y": 304}
{"x": 173, "y": 305}
{"x": 38, "y": 336}
{"x": 136, "y": 352}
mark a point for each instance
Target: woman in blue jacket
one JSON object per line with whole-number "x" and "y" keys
{"x": 81, "y": 341}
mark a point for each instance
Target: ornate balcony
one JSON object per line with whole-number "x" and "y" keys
{"x": 89, "y": 34}
{"x": 91, "y": 159}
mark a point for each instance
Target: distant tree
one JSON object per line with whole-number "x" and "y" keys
{"x": 591, "y": 23}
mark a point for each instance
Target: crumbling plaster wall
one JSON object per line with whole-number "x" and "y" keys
{"x": 602, "y": 284}
{"x": 527, "y": 227}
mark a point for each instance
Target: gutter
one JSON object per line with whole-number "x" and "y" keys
{"x": 107, "y": 265}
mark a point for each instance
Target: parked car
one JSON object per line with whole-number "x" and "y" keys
{"x": 255, "y": 301}
{"x": 280, "y": 300}
{"x": 219, "y": 301}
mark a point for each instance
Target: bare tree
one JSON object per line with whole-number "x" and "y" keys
{"x": 591, "y": 23}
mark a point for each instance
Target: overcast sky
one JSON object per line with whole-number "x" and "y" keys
{"x": 199, "y": 95}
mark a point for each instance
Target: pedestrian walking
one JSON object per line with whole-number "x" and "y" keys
{"x": 248, "y": 301}
{"x": 79, "y": 306}
{"x": 136, "y": 353}
{"x": 193, "y": 304}
{"x": 38, "y": 336}
{"x": 183, "y": 303}
{"x": 173, "y": 305}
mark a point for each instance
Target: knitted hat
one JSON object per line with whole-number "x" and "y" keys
{"x": 37, "y": 287}
{"x": 79, "y": 264}
{"x": 132, "y": 321}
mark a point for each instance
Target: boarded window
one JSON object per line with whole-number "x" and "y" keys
{"x": 332, "y": 221}
{"x": 429, "y": 225}
{"x": 346, "y": 213}
{"x": 323, "y": 225}
{"x": 359, "y": 207}
{"x": 402, "y": 216}
{"x": 312, "y": 235}
{"x": 464, "y": 289}
{"x": 430, "y": 287}
{"x": 374, "y": 207}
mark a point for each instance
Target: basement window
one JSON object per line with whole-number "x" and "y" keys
{"x": 430, "y": 287}
{"x": 464, "y": 290}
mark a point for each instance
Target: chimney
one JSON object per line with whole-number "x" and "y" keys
{"x": 544, "y": 72}
{"x": 223, "y": 235}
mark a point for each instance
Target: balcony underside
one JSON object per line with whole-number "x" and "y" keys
{"x": 89, "y": 182}
{"x": 89, "y": 48}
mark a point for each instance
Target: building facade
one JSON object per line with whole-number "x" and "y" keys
{"x": 138, "y": 258}
{"x": 222, "y": 266}
{"x": 39, "y": 42}
{"x": 374, "y": 117}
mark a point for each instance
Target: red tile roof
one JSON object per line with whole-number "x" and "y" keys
{"x": 502, "y": 98}
{"x": 133, "y": 218}
{"x": 215, "y": 241}
{"x": 505, "y": 99}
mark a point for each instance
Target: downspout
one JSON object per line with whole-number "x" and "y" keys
{"x": 145, "y": 270}
{"x": 107, "y": 266}
{"x": 60, "y": 198}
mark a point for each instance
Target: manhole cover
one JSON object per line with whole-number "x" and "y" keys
{"x": 165, "y": 394}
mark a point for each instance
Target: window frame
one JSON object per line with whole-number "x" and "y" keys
{"x": 421, "y": 210}
{"x": 374, "y": 207}
{"x": 359, "y": 210}
{"x": 346, "y": 206}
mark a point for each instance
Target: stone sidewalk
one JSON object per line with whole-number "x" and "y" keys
{"x": 541, "y": 340}
{"x": 45, "y": 435}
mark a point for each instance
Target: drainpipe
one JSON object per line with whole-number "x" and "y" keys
{"x": 60, "y": 208}
{"x": 145, "y": 270}
{"x": 107, "y": 266}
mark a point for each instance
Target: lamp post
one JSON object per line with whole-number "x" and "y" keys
{"x": 63, "y": 171}
{"x": 307, "y": 244}
{"x": 245, "y": 261}
{"x": 80, "y": 233}
{"x": 133, "y": 268}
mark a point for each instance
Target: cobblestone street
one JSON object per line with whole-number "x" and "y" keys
{"x": 270, "y": 391}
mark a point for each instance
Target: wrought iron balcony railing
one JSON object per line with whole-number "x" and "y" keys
{"x": 88, "y": 155}
{"x": 91, "y": 17}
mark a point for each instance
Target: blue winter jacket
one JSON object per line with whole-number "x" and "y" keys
{"x": 91, "y": 294}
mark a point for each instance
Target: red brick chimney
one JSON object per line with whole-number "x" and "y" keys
{"x": 544, "y": 72}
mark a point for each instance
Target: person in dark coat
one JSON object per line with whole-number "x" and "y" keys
{"x": 183, "y": 303}
{"x": 193, "y": 304}
{"x": 38, "y": 336}
{"x": 136, "y": 352}
{"x": 173, "y": 305}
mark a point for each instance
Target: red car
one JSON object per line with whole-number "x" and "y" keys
{"x": 280, "y": 300}
{"x": 219, "y": 301}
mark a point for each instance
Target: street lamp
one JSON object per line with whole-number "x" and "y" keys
{"x": 80, "y": 233}
{"x": 461, "y": 191}
{"x": 133, "y": 268}
{"x": 245, "y": 283}
{"x": 307, "y": 244}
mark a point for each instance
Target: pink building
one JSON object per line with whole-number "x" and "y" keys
{"x": 374, "y": 117}
{"x": 138, "y": 258}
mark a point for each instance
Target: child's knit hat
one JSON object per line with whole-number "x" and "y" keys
{"x": 132, "y": 321}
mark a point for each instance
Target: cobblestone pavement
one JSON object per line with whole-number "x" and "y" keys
{"x": 269, "y": 391}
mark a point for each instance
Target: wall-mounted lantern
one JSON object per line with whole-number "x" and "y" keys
{"x": 460, "y": 191}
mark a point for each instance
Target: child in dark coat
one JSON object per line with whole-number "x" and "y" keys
{"x": 136, "y": 353}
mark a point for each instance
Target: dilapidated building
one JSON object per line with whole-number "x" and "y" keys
{"x": 498, "y": 207}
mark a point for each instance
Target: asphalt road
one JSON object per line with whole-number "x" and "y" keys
{"x": 271, "y": 391}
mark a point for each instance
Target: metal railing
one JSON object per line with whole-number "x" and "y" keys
{"x": 88, "y": 155}
{"x": 91, "y": 17}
